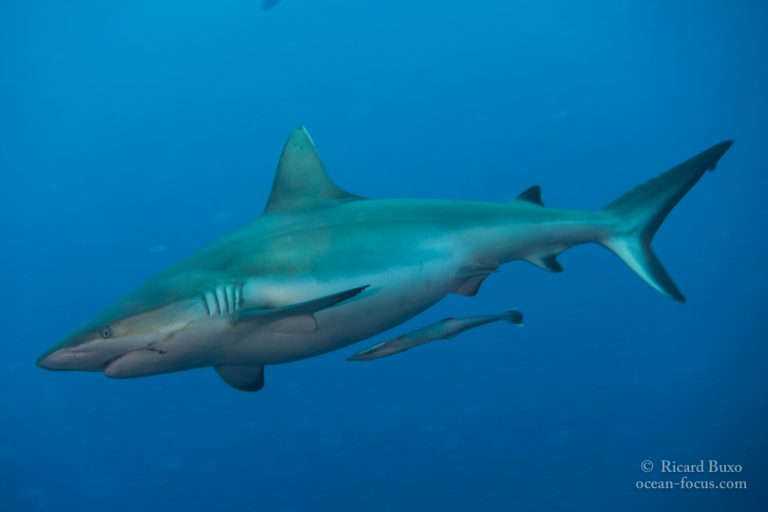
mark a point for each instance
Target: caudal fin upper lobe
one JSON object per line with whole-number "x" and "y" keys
{"x": 640, "y": 212}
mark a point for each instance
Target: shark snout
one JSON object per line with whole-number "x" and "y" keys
{"x": 62, "y": 359}
{"x": 58, "y": 360}
{"x": 71, "y": 359}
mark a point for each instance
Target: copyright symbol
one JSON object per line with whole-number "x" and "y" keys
{"x": 646, "y": 466}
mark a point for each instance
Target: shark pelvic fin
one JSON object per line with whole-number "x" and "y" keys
{"x": 244, "y": 378}
{"x": 472, "y": 277}
{"x": 295, "y": 318}
{"x": 301, "y": 182}
{"x": 547, "y": 262}
{"x": 471, "y": 286}
{"x": 531, "y": 195}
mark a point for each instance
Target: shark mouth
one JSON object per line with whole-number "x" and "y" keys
{"x": 136, "y": 363}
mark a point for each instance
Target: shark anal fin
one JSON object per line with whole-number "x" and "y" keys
{"x": 244, "y": 378}
{"x": 295, "y": 318}
{"x": 301, "y": 182}
{"x": 531, "y": 195}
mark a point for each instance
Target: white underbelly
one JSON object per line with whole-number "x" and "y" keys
{"x": 391, "y": 299}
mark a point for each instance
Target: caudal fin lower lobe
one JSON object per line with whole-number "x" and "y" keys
{"x": 640, "y": 212}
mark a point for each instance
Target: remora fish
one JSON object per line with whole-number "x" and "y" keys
{"x": 445, "y": 329}
{"x": 322, "y": 268}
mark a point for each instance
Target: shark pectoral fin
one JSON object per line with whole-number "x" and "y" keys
{"x": 278, "y": 320}
{"x": 244, "y": 378}
{"x": 472, "y": 277}
{"x": 296, "y": 324}
{"x": 295, "y": 318}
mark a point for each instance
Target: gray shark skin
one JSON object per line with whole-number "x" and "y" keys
{"x": 445, "y": 329}
{"x": 321, "y": 269}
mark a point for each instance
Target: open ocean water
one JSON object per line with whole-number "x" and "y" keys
{"x": 133, "y": 133}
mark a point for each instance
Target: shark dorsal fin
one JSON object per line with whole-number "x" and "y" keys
{"x": 301, "y": 182}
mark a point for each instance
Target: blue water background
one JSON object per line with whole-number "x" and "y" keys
{"x": 132, "y": 133}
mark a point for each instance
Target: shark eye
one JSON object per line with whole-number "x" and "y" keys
{"x": 106, "y": 332}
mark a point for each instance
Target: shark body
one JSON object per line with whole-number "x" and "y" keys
{"x": 322, "y": 268}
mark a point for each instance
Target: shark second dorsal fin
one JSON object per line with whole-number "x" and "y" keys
{"x": 531, "y": 195}
{"x": 301, "y": 182}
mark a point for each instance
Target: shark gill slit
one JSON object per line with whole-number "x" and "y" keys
{"x": 233, "y": 300}
{"x": 221, "y": 300}
{"x": 225, "y": 299}
{"x": 210, "y": 302}
{"x": 204, "y": 300}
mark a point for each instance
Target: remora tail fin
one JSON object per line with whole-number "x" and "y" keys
{"x": 641, "y": 211}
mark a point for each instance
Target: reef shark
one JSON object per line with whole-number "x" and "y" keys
{"x": 322, "y": 268}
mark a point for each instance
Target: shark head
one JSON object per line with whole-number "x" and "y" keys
{"x": 132, "y": 324}
{"x": 214, "y": 303}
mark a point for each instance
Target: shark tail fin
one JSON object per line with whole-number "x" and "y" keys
{"x": 640, "y": 212}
